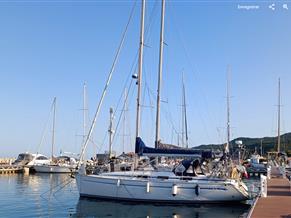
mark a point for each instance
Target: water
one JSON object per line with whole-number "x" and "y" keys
{"x": 56, "y": 195}
{"x": 37, "y": 195}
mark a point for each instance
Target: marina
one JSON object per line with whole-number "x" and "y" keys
{"x": 48, "y": 192}
{"x": 56, "y": 195}
{"x": 164, "y": 137}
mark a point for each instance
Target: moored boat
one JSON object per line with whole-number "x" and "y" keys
{"x": 54, "y": 168}
{"x": 151, "y": 186}
{"x": 62, "y": 164}
{"x": 160, "y": 186}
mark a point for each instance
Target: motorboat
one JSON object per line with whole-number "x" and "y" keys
{"x": 38, "y": 159}
{"x": 29, "y": 159}
{"x": 23, "y": 159}
{"x": 257, "y": 165}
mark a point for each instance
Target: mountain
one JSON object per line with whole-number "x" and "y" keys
{"x": 251, "y": 144}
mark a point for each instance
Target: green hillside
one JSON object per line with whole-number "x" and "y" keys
{"x": 269, "y": 144}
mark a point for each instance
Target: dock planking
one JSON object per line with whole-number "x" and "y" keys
{"x": 10, "y": 169}
{"x": 278, "y": 200}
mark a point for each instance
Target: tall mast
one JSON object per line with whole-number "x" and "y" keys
{"x": 261, "y": 147}
{"x": 160, "y": 76}
{"x": 110, "y": 131}
{"x": 228, "y": 110}
{"x": 53, "y": 129}
{"x": 182, "y": 118}
{"x": 184, "y": 111}
{"x": 124, "y": 119}
{"x": 139, "y": 78}
{"x": 279, "y": 105}
{"x": 84, "y": 111}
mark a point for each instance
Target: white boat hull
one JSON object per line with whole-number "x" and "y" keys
{"x": 53, "y": 169}
{"x": 159, "y": 190}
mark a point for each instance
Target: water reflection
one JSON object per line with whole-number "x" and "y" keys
{"x": 37, "y": 195}
{"x": 97, "y": 208}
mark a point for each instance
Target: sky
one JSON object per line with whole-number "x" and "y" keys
{"x": 51, "y": 48}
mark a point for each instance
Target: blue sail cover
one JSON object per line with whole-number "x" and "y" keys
{"x": 142, "y": 149}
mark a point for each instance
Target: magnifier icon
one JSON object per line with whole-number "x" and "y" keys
{"x": 285, "y": 6}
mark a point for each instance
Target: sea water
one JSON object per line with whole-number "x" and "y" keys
{"x": 56, "y": 195}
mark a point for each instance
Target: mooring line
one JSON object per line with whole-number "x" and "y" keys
{"x": 54, "y": 187}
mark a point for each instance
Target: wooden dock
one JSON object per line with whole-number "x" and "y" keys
{"x": 278, "y": 200}
{"x": 6, "y": 161}
{"x": 9, "y": 169}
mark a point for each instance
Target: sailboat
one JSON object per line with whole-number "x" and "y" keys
{"x": 61, "y": 164}
{"x": 151, "y": 185}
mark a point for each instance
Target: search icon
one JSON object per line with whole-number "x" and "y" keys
{"x": 285, "y": 6}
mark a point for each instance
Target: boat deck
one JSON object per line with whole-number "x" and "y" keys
{"x": 278, "y": 200}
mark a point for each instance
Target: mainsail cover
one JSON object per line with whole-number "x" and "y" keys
{"x": 141, "y": 149}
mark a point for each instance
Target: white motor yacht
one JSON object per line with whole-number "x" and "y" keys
{"x": 38, "y": 159}
{"x": 29, "y": 160}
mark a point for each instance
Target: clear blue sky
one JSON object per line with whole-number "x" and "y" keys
{"x": 50, "y": 49}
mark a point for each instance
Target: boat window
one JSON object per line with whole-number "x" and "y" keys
{"x": 27, "y": 157}
{"x": 41, "y": 158}
{"x": 143, "y": 176}
{"x": 162, "y": 177}
{"x": 186, "y": 178}
{"x": 21, "y": 157}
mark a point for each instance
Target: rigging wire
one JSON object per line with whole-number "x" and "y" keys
{"x": 132, "y": 69}
{"x": 119, "y": 119}
{"x": 122, "y": 111}
{"x": 151, "y": 109}
{"x": 45, "y": 129}
{"x": 172, "y": 11}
